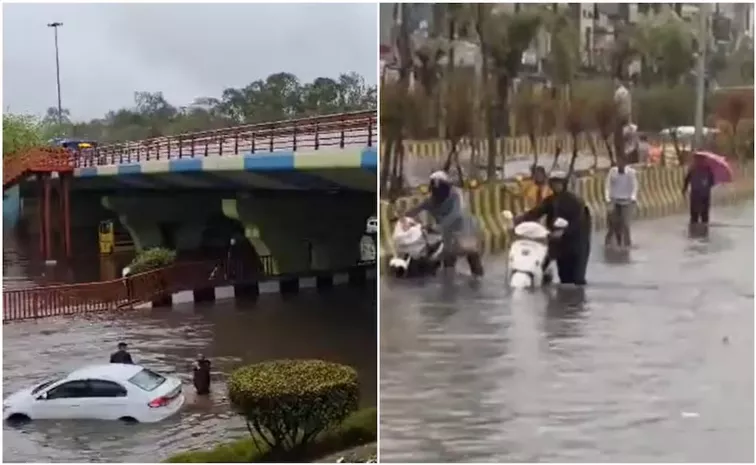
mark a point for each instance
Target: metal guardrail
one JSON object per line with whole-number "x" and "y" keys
{"x": 125, "y": 293}
{"x": 69, "y": 299}
{"x": 341, "y": 130}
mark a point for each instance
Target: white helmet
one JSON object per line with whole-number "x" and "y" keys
{"x": 557, "y": 175}
{"x": 440, "y": 175}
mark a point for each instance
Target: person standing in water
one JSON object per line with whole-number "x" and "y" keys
{"x": 122, "y": 355}
{"x": 571, "y": 246}
{"x": 201, "y": 376}
{"x": 458, "y": 227}
{"x": 621, "y": 191}
{"x": 700, "y": 179}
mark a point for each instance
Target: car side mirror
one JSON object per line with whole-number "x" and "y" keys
{"x": 42, "y": 396}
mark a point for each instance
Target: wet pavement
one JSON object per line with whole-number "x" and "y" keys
{"x": 653, "y": 362}
{"x": 339, "y": 326}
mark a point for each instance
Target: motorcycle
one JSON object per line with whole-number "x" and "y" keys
{"x": 529, "y": 252}
{"x": 418, "y": 250}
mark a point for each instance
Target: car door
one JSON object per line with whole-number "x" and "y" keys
{"x": 63, "y": 401}
{"x": 108, "y": 400}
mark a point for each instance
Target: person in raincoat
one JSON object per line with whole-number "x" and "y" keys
{"x": 571, "y": 246}
{"x": 458, "y": 228}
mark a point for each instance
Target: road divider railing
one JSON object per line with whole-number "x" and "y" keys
{"x": 660, "y": 194}
{"x": 514, "y": 148}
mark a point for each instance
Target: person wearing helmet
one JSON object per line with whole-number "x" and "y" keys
{"x": 571, "y": 246}
{"x": 457, "y": 226}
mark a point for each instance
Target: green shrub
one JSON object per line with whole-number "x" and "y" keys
{"x": 287, "y": 403}
{"x": 359, "y": 428}
{"x": 152, "y": 259}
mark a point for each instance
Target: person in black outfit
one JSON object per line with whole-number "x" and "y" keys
{"x": 700, "y": 179}
{"x": 201, "y": 376}
{"x": 122, "y": 355}
{"x": 570, "y": 247}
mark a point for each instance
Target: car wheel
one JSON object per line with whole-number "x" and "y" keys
{"x": 18, "y": 419}
{"x": 129, "y": 420}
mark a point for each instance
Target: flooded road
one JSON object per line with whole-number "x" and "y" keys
{"x": 652, "y": 363}
{"x": 339, "y": 326}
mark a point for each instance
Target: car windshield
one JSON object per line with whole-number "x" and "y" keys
{"x": 147, "y": 380}
{"x": 43, "y": 385}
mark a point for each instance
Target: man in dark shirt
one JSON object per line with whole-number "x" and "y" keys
{"x": 700, "y": 178}
{"x": 571, "y": 247}
{"x": 122, "y": 355}
{"x": 201, "y": 376}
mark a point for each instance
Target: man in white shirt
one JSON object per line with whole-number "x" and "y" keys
{"x": 621, "y": 193}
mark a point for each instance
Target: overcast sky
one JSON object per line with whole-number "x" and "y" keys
{"x": 109, "y": 51}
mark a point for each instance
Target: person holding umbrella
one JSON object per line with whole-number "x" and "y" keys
{"x": 706, "y": 171}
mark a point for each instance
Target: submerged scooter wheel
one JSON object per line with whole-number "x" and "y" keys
{"x": 520, "y": 281}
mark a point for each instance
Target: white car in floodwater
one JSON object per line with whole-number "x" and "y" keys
{"x": 112, "y": 391}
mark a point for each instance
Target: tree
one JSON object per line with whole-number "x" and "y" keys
{"x": 506, "y": 37}
{"x": 21, "y": 132}
{"x": 279, "y": 96}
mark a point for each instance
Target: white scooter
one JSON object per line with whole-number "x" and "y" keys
{"x": 528, "y": 252}
{"x": 418, "y": 250}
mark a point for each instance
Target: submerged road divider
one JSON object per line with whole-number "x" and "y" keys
{"x": 659, "y": 194}
{"x": 180, "y": 283}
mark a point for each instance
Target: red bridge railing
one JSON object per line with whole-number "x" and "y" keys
{"x": 341, "y": 130}
{"x": 37, "y": 160}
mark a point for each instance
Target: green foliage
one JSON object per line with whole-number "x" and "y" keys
{"x": 279, "y": 96}
{"x": 357, "y": 429}
{"x": 21, "y": 132}
{"x": 287, "y": 403}
{"x": 152, "y": 259}
{"x": 660, "y": 107}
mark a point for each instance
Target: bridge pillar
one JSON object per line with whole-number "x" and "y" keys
{"x": 305, "y": 230}
{"x": 171, "y": 220}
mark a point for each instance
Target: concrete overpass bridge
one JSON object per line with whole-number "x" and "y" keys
{"x": 299, "y": 191}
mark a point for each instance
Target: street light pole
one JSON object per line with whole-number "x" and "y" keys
{"x": 55, "y": 27}
{"x": 703, "y": 42}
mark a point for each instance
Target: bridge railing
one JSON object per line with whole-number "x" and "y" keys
{"x": 341, "y": 130}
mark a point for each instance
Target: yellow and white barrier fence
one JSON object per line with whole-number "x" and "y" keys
{"x": 660, "y": 194}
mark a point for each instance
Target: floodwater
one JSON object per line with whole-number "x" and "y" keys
{"x": 338, "y": 326}
{"x": 653, "y": 362}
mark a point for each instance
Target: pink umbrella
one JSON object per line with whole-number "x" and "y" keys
{"x": 718, "y": 165}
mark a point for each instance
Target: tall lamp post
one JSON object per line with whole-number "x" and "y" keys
{"x": 55, "y": 27}
{"x": 703, "y": 43}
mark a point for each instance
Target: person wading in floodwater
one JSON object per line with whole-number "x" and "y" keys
{"x": 700, "y": 179}
{"x": 621, "y": 194}
{"x": 457, "y": 225}
{"x": 201, "y": 376}
{"x": 122, "y": 355}
{"x": 571, "y": 247}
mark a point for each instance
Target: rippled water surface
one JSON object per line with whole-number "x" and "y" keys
{"x": 339, "y": 326}
{"x": 653, "y": 362}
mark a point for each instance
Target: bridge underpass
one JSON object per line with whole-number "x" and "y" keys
{"x": 652, "y": 362}
{"x": 298, "y": 191}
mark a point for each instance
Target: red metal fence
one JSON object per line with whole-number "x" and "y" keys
{"x": 342, "y": 130}
{"x": 68, "y": 299}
